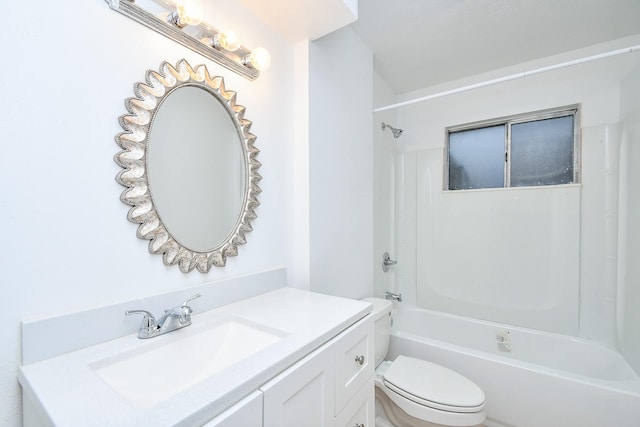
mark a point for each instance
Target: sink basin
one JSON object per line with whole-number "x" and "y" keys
{"x": 180, "y": 359}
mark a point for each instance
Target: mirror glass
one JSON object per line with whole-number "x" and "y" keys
{"x": 195, "y": 168}
{"x": 189, "y": 167}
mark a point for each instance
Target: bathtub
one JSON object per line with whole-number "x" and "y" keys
{"x": 530, "y": 378}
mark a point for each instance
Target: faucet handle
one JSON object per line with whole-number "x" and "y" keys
{"x": 148, "y": 322}
{"x": 191, "y": 298}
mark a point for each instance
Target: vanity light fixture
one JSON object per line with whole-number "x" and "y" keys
{"x": 181, "y": 21}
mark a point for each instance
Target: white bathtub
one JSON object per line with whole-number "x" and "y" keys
{"x": 546, "y": 380}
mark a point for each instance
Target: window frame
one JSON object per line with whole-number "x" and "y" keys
{"x": 508, "y": 121}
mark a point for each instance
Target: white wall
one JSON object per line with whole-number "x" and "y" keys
{"x": 300, "y": 258}
{"x": 629, "y": 226}
{"x": 66, "y": 242}
{"x": 341, "y": 165}
{"x": 579, "y": 300}
{"x": 510, "y": 256}
{"x": 384, "y": 145}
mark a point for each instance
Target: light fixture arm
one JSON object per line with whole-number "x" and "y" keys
{"x": 133, "y": 11}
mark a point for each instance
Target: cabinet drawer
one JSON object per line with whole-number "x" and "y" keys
{"x": 360, "y": 411}
{"x": 354, "y": 361}
{"x": 246, "y": 413}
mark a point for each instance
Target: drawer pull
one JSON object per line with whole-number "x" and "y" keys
{"x": 360, "y": 359}
{"x": 359, "y": 425}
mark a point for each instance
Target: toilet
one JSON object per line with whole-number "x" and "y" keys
{"x": 416, "y": 393}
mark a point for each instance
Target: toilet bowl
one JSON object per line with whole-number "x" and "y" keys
{"x": 417, "y": 393}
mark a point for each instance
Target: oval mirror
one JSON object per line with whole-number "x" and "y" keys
{"x": 189, "y": 167}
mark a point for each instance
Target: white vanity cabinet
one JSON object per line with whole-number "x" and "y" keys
{"x": 332, "y": 386}
{"x": 286, "y": 357}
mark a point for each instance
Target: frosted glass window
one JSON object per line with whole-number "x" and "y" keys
{"x": 527, "y": 150}
{"x": 542, "y": 152}
{"x": 476, "y": 158}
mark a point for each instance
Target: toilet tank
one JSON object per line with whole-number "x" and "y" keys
{"x": 382, "y": 317}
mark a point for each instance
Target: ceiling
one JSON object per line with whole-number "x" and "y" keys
{"x": 420, "y": 43}
{"x": 305, "y": 19}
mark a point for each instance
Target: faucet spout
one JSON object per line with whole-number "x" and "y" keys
{"x": 392, "y": 296}
{"x": 173, "y": 319}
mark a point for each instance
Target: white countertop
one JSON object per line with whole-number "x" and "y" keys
{"x": 70, "y": 392}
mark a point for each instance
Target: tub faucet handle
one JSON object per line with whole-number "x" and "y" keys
{"x": 387, "y": 262}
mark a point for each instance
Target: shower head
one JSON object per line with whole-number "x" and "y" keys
{"x": 396, "y": 132}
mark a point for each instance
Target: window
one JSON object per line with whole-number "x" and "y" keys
{"x": 521, "y": 151}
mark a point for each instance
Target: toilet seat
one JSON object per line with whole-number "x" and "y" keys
{"x": 433, "y": 386}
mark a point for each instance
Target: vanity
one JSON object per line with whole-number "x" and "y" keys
{"x": 240, "y": 352}
{"x": 279, "y": 358}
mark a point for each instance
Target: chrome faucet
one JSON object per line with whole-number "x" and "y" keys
{"x": 392, "y": 296}
{"x": 175, "y": 318}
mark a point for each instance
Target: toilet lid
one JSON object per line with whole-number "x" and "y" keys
{"x": 433, "y": 385}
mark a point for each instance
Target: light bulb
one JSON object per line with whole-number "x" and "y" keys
{"x": 190, "y": 12}
{"x": 227, "y": 40}
{"x": 260, "y": 59}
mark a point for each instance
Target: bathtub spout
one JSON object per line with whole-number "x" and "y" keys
{"x": 392, "y": 296}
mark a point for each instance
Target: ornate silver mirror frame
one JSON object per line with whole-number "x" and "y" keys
{"x": 134, "y": 142}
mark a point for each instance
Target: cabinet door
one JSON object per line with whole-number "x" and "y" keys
{"x": 354, "y": 360}
{"x": 360, "y": 411}
{"x": 246, "y": 413}
{"x": 302, "y": 395}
